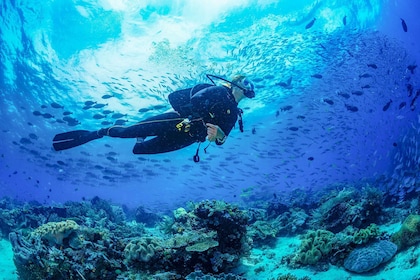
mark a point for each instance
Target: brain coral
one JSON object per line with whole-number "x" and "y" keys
{"x": 367, "y": 258}
{"x": 409, "y": 234}
{"x": 56, "y": 232}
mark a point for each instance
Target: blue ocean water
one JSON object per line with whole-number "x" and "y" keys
{"x": 336, "y": 102}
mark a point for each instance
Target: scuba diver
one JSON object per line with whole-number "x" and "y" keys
{"x": 203, "y": 111}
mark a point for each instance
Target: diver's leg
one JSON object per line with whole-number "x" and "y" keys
{"x": 164, "y": 143}
{"x": 153, "y": 126}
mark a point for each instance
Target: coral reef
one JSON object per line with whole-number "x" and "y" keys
{"x": 364, "y": 235}
{"x": 340, "y": 209}
{"x": 409, "y": 234}
{"x": 315, "y": 245}
{"x": 56, "y": 232}
{"x": 371, "y": 256}
{"x": 209, "y": 237}
{"x": 290, "y": 276}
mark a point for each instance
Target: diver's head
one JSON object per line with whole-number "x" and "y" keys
{"x": 244, "y": 84}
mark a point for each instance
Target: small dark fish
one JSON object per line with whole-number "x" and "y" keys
{"x": 98, "y": 116}
{"x": 345, "y": 95}
{"x": 345, "y": 20}
{"x": 351, "y": 108}
{"x": 413, "y": 102}
{"x": 60, "y": 162}
{"x": 411, "y": 68}
{"x": 254, "y": 130}
{"x": 44, "y": 106}
{"x": 366, "y": 86}
{"x": 87, "y": 107}
{"x": 310, "y": 24}
{"x": 90, "y": 103}
{"x": 25, "y": 141}
{"x": 37, "y": 113}
{"x": 33, "y": 136}
{"x": 111, "y": 158}
{"x": 47, "y": 116}
{"x": 120, "y": 122}
{"x": 158, "y": 107}
{"x": 404, "y": 25}
{"x": 98, "y": 106}
{"x": 294, "y": 128}
{"x": 66, "y": 113}
{"x": 106, "y": 123}
{"x": 372, "y": 65}
{"x": 357, "y": 92}
{"x": 311, "y": 158}
{"x": 277, "y": 113}
{"x": 365, "y": 75}
{"x": 69, "y": 119}
{"x": 386, "y": 107}
{"x": 300, "y": 117}
{"x": 286, "y": 108}
{"x": 56, "y": 105}
{"x": 402, "y": 105}
{"x": 107, "y": 112}
{"x": 394, "y": 144}
{"x": 107, "y": 96}
{"x": 329, "y": 101}
{"x": 118, "y": 115}
{"x": 257, "y": 80}
{"x": 318, "y": 76}
{"x": 143, "y": 110}
{"x": 269, "y": 77}
{"x": 410, "y": 90}
{"x": 73, "y": 123}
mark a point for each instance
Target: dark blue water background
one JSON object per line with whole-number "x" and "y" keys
{"x": 69, "y": 52}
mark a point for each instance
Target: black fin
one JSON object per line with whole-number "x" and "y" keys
{"x": 67, "y": 140}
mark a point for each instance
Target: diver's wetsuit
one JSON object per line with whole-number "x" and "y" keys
{"x": 213, "y": 104}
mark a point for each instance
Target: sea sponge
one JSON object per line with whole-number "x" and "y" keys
{"x": 142, "y": 249}
{"x": 409, "y": 234}
{"x": 56, "y": 232}
{"x": 314, "y": 246}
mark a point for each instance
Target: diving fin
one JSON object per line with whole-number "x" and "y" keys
{"x": 67, "y": 140}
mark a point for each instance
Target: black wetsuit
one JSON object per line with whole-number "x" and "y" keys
{"x": 213, "y": 104}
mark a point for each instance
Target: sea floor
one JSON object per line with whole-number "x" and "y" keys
{"x": 265, "y": 264}
{"x": 7, "y": 267}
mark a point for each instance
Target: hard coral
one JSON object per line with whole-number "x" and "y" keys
{"x": 369, "y": 257}
{"x": 409, "y": 234}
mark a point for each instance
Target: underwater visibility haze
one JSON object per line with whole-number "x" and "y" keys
{"x": 336, "y": 114}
